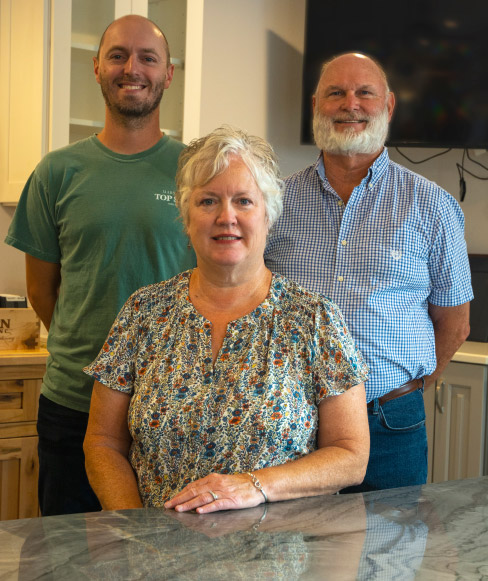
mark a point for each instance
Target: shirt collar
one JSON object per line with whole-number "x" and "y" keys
{"x": 375, "y": 172}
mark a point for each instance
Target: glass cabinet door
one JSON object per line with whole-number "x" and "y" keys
{"x": 89, "y": 18}
{"x": 170, "y": 16}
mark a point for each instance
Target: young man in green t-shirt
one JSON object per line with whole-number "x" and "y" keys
{"x": 97, "y": 221}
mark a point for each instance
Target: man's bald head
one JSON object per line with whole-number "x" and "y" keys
{"x": 137, "y": 21}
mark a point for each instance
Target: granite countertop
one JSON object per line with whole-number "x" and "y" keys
{"x": 472, "y": 352}
{"x": 436, "y": 531}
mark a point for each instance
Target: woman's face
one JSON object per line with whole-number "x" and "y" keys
{"x": 227, "y": 219}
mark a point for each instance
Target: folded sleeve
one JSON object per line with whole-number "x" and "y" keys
{"x": 448, "y": 261}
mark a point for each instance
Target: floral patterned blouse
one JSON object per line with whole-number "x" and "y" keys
{"x": 257, "y": 406}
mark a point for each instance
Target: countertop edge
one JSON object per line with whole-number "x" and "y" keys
{"x": 23, "y": 356}
{"x": 469, "y": 352}
{"x": 472, "y": 352}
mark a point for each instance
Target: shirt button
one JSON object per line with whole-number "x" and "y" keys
{"x": 340, "y": 278}
{"x": 340, "y": 203}
{"x": 344, "y": 243}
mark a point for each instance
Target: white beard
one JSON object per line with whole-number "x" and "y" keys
{"x": 350, "y": 142}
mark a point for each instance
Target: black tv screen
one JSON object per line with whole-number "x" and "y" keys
{"x": 435, "y": 54}
{"x": 478, "y": 309}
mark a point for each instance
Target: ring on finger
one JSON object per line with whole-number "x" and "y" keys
{"x": 214, "y": 496}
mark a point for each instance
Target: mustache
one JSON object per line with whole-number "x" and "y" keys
{"x": 351, "y": 117}
{"x": 129, "y": 78}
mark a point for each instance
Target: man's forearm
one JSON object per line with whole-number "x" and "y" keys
{"x": 44, "y": 307}
{"x": 451, "y": 328}
{"x": 43, "y": 280}
{"x": 444, "y": 349}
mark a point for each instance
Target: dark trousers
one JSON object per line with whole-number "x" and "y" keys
{"x": 398, "y": 454}
{"x": 63, "y": 484}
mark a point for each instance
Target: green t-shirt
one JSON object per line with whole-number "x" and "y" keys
{"x": 111, "y": 222}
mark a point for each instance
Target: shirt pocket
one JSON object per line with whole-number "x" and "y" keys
{"x": 400, "y": 261}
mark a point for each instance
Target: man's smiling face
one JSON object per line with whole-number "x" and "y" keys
{"x": 352, "y": 97}
{"x": 132, "y": 67}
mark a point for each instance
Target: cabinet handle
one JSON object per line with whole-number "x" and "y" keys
{"x": 439, "y": 400}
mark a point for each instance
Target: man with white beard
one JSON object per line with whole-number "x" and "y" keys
{"x": 388, "y": 247}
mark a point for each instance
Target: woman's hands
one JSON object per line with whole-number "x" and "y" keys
{"x": 217, "y": 492}
{"x": 341, "y": 460}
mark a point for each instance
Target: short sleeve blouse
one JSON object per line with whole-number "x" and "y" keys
{"x": 257, "y": 406}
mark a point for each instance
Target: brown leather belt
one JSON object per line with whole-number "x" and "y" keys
{"x": 399, "y": 391}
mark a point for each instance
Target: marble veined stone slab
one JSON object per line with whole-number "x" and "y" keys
{"x": 432, "y": 532}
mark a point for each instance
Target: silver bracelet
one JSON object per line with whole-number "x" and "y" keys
{"x": 258, "y": 485}
{"x": 256, "y": 526}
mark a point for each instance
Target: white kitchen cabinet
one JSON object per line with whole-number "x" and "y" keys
{"x": 50, "y": 95}
{"x": 456, "y": 410}
{"x": 24, "y": 100}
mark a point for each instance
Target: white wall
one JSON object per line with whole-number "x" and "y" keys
{"x": 252, "y": 72}
{"x": 443, "y": 171}
{"x": 251, "y": 77}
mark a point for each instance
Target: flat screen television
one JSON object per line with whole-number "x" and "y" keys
{"x": 478, "y": 313}
{"x": 435, "y": 53}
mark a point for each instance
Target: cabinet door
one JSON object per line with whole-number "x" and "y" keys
{"x": 460, "y": 422}
{"x": 24, "y": 35}
{"x": 18, "y": 440}
{"x": 18, "y": 478}
{"x": 170, "y": 16}
{"x": 77, "y": 105}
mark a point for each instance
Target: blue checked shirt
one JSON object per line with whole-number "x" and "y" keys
{"x": 396, "y": 246}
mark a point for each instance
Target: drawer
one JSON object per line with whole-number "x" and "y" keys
{"x": 31, "y": 371}
{"x": 19, "y": 399}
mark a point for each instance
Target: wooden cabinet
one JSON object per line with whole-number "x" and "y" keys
{"x": 456, "y": 410}
{"x": 20, "y": 383}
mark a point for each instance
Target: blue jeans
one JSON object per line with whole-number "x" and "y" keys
{"x": 398, "y": 454}
{"x": 63, "y": 483}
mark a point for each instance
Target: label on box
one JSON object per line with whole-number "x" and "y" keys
{"x": 19, "y": 329}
